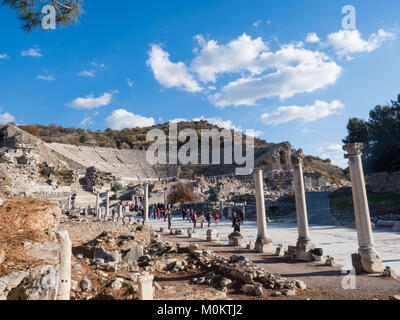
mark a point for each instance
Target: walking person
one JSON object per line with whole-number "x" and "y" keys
{"x": 169, "y": 221}
{"x": 202, "y": 220}
{"x": 236, "y": 224}
{"x": 209, "y": 217}
{"x": 241, "y": 217}
{"x": 216, "y": 217}
{"x": 194, "y": 219}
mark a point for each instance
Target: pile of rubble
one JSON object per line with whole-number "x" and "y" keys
{"x": 236, "y": 272}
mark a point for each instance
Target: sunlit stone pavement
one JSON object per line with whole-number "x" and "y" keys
{"x": 337, "y": 242}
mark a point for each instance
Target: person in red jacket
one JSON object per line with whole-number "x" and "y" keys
{"x": 194, "y": 219}
{"x": 216, "y": 217}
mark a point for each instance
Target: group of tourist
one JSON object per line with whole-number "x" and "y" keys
{"x": 163, "y": 212}
{"x": 160, "y": 211}
{"x": 192, "y": 216}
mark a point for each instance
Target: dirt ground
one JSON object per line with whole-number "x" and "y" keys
{"x": 323, "y": 282}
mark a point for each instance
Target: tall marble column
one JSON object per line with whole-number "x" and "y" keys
{"x": 146, "y": 204}
{"x": 221, "y": 209}
{"x": 304, "y": 245}
{"x": 97, "y": 205}
{"x": 107, "y": 203}
{"x": 263, "y": 243}
{"x": 121, "y": 214}
{"x": 367, "y": 259}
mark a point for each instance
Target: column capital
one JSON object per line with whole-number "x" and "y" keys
{"x": 353, "y": 149}
{"x": 297, "y": 157}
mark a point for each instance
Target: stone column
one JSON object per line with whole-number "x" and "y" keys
{"x": 244, "y": 210}
{"x": 221, "y": 209}
{"x": 97, "y": 205}
{"x": 146, "y": 204}
{"x": 145, "y": 290}
{"x": 263, "y": 243}
{"x": 107, "y": 203}
{"x": 121, "y": 214}
{"x": 64, "y": 287}
{"x": 367, "y": 259}
{"x": 304, "y": 245}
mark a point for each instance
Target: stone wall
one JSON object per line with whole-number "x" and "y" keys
{"x": 384, "y": 182}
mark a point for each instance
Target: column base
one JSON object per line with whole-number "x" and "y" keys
{"x": 367, "y": 261}
{"x": 304, "y": 250}
{"x": 264, "y": 245}
{"x": 146, "y": 223}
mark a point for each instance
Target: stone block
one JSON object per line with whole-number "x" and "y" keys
{"x": 133, "y": 254}
{"x": 370, "y": 261}
{"x": 145, "y": 289}
{"x": 236, "y": 239}
{"x": 304, "y": 252}
{"x": 264, "y": 246}
{"x": 212, "y": 235}
{"x": 356, "y": 262}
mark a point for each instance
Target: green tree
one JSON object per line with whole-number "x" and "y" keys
{"x": 30, "y": 11}
{"x": 381, "y": 137}
{"x": 84, "y": 138}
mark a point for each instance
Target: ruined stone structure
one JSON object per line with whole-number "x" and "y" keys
{"x": 93, "y": 170}
{"x": 304, "y": 245}
{"x": 367, "y": 259}
{"x": 384, "y": 182}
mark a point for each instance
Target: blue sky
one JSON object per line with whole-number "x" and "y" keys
{"x": 286, "y": 69}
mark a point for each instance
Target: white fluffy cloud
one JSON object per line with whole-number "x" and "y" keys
{"x": 46, "y": 78}
{"x": 86, "y": 121}
{"x": 349, "y": 42}
{"x": 90, "y": 102}
{"x": 312, "y": 37}
{"x": 121, "y": 119}
{"x": 170, "y": 74}
{"x": 95, "y": 67}
{"x": 320, "y": 109}
{"x": 6, "y": 118}
{"x": 297, "y": 70}
{"x": 237, "y": 55}
{"x": 256, "y": 72}
{"x": 86, "y": 73}
{"x": 333, "y": 152}
{"x": 32, "y": 52}
{"x": 4, "y": 56}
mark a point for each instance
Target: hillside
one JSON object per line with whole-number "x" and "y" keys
{"x": 326, "y": 168}
{"x": 135, "y": 139}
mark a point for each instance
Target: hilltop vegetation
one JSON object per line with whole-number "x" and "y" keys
{"x": 121, "y": 139}
{"x": 326, "y": 168}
